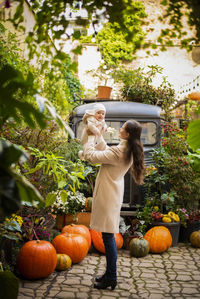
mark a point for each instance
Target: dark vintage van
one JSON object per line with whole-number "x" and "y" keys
{"x": 118, "y": 112}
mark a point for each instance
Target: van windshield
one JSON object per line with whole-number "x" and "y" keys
{"x": 148, "y": 136}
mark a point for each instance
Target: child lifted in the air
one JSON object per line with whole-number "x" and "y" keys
{"x": 94, "y": 121}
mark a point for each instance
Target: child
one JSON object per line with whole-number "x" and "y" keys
{"x": 94, "y": 120}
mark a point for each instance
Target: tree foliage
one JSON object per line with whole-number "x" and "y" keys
{"x": 51, "y": 17}
{"x": 175, "y": 13}
{"x": 113, "y": 43}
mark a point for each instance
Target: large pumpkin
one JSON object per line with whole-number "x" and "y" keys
{"x": 36, "y": 259}
{"x": 159, "y": 238}
{"x": 76, "y": 246}
{"x": 88, "y": 204}
{"x": 139, "y": 247}
{"x": 63, "y": 262}
{"x": 195, "y": 238}
{"x": 78, "y": 229}
{"x": 97, "y": 240}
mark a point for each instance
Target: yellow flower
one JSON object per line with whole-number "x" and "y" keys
{"x": 156, "y": 208}
{"x": 16, "y": 218}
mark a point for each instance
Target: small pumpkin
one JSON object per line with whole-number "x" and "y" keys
{"x": 78, "y": 229}
{"x": 139, "y": 247}
{"x": 195, "y": 96}
{"x": 97, "y": 240}
{"x": 88, "y": 204}
{"x": 166, "y": 219}
{"x": 159, "y": 238}
{"x": 74, "y": 245}
{"x": 36, "y": 259}
{"x": 174, "y": 216}
{"x": 63, "y": 262}
{"x": 195, "y": 238}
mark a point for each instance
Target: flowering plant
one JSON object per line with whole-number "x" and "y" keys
{"x": 194, "y": 216}
{"x": 68, "y": 202}
{"x": 36, "y": 223}
{"x": 10, "y": 228}
{"x": 183, "y": 215}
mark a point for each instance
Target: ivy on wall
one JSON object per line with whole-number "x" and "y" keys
{"x": 113, "y": 43}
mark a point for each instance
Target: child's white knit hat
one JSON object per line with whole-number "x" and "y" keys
{"x": 98, "y": 107}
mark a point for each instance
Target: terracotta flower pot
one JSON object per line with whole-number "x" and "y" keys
{"x": 79, "y": 218}
{"x": 104, "y": 92}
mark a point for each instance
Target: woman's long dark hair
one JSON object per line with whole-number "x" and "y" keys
{"x": 135, "y": 149}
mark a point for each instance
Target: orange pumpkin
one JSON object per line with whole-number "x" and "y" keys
{"x": 36, "y": 259}
{"x": 159, "y": 238}
{"x": 74, "y": 245}
{"x": 195, "y": 96}
{"x": 97, "y": 240}
{"x": 78, "y": 229}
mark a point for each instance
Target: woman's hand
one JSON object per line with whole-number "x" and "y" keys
{"x": 92, "y": 133}
{"x": 89, "y": 132}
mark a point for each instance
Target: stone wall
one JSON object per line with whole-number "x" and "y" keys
{"x": 178, "y": 65}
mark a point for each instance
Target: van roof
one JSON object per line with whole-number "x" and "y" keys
{"x": 122, "y": 109}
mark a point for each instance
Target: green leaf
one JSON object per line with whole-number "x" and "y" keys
{"x": 61, "y": 184}
{"x": 78, "y": 50}
{"x": 63, "y": 195}
{"x": 9, "y": 194}
{"x": 61, "y": 55}
{"x": 76, "y": 34}
{"x": 50, "y": 199}
{"x": 10, "y": 153}
{"x": 28, "y": 193}
{"x": 193, "y": 134}
{"x": 7, "y": 73}
{"x": 13, "y": 226}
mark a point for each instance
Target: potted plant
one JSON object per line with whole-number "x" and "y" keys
{"x": 103, "y": 74}
{"x": 160, "y": 200}
{"x": 190, "y": 221}
{"x": 128, "y": 227}
{"x": 137, "y": 85}
{"x": 69, "y": 207}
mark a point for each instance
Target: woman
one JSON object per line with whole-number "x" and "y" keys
{"x": 109, "y": 189}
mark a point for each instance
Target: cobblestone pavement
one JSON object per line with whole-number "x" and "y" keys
{"x": 173, "y": 274}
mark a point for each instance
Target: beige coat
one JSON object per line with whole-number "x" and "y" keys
{"x": 109, "y": 186}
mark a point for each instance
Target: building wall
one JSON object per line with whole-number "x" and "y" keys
{"x": 178, "y": 65}
{"x": 28, "y": 24}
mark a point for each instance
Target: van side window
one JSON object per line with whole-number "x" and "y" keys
{"x": 149, "y": 130}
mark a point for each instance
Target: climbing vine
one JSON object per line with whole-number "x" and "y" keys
{"x": 113, "y": 43}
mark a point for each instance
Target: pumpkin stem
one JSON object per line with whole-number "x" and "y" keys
{"x": 37, "y": 241}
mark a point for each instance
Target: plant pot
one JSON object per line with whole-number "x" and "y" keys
{"x": 185, "y": 232}
{"x": 79, "y": 218}
{"x": 174, "y": 228}
{"x": 104, "y": 92}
